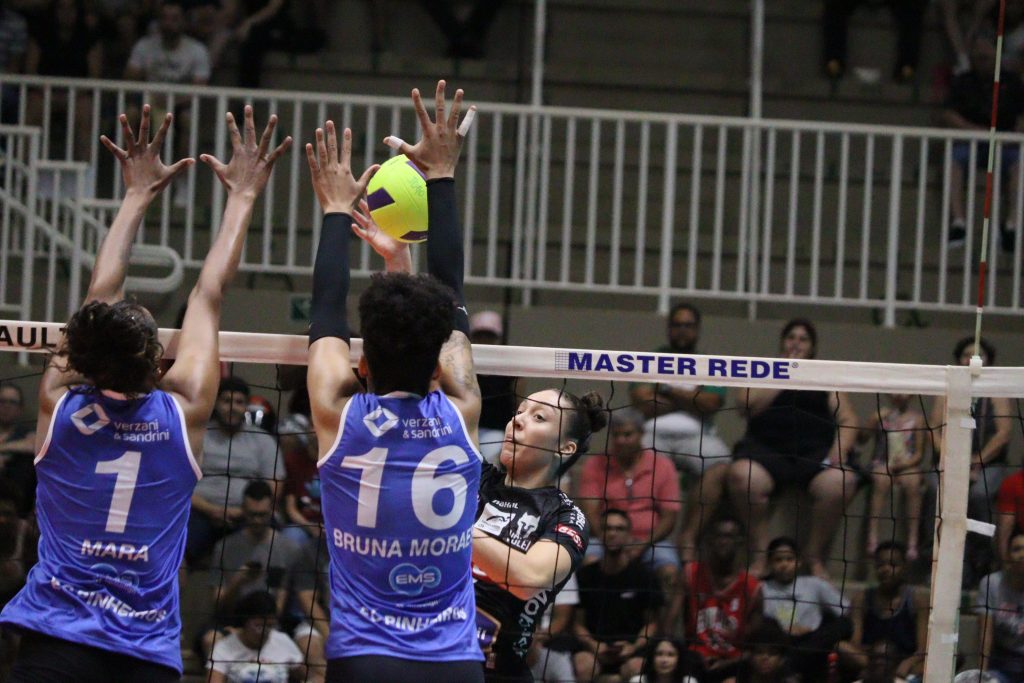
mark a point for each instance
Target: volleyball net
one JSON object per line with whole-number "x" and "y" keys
{"x": 882, "y": 483}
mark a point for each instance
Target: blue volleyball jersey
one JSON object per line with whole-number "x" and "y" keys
{"x": 398, "y": 493}
{"x": 115, "y": 484}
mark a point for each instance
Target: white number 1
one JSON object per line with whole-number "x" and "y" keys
{"x": 127, "y": 470}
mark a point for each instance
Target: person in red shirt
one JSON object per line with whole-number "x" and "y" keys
{"x": 723, "y": 601}
{"x": 642, "y": 483}
{"x": 1009, "y": 511}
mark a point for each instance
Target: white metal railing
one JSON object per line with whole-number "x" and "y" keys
{"x": 43, "y": 212}
{"x": 557, "y": 198}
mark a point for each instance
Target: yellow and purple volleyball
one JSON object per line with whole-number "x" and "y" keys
{"x": 397, "y": 195}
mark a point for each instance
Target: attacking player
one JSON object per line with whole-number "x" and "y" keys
{"x": 119, "y": 447}
{"x": 399, "y": 468}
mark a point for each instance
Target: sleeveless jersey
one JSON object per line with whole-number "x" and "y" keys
{"x": 115, "y": 484}
{"x": 398, "y": 496}
{"x": 716, "y": 620}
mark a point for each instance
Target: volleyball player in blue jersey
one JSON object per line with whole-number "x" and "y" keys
{"x": 399, "y": 468}
{"x": 118, "y": 446}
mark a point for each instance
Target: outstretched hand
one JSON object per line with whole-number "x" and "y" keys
{"x": 249, "y": 169}
{"x": 368, "y": 230}
{"x": 336, "y": 187}
{"x": 141, "y": 167}
{"x": 437, "y": 152}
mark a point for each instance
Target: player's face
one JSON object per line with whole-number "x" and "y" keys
{"x": 10, "y": 406}
{"x": 683, "y": 330}
{"x": 231, "y": 406}
{"x": 783, "y": 563}
{"x": 625, "y": 439}
{"x": 665, "y": 658}
{"x": 797, "y": 343}
{"x": 533, "y": 436}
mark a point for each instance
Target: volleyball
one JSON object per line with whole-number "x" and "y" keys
{"x": 397, "y": 196}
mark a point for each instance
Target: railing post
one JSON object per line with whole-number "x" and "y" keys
{"x": 75, "y": 279}
{"x": 668, "y": 217}
{"x": 950, "y": 526}
{"x": 892, "y": 256}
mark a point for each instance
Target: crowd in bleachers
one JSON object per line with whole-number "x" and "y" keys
{"x": 680, "y": 560}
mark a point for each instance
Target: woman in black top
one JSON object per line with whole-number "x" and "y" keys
{"x": 793, "y": 437}
{"x": 529, "y": 536}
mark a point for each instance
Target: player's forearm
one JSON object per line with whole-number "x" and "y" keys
{"x": 111, "y": 265}
{"x": 221, "y": 262}
{"x": 445, "y": 253}
{"x": 525, "y": 574}
{"x": 328, "y": 315}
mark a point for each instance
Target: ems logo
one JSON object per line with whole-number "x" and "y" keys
{"x": 79, "y": 419}
{"x": 380, "y": 421}
{"x": 409, "y": 579}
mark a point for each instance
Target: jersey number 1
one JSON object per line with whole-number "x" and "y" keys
{"x": 425, "y": 485}
{"x": 127, "y": 470}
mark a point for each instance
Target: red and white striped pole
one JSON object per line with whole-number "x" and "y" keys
{"x": 989, "y": 184}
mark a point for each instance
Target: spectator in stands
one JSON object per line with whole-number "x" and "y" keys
{"x": 909, "y": 18}
{"x": 233, "y": 456}
{"x": 619, "y": 606}
{"x": 257, "y": 651}
{"x": 680, "y": 424}
{"x": 120, "y": 24}
{"x": 794, "y": 437}
{"x": 1009, "y": 512}
{"x": 466, "y": 38}
{"x": 309, "y": 595}
{"x": 13, "y": 45}
{"x": 643, "y": 484}
{"x": 63, "y": 42}
{"x": 990, "y": 450}
{"x": 1000, "y": 602}
{"x": 810, "y": 609}
{"x": 254, "y": 558}
{"x": 882, "y": 663}
{"x": 899, "y": 452}
{"x": 890, "y": 611}
{"x": 969, "y": 107}
{"x": 498, "y": 391}
{"x": 17, "y": 446}
{"x": 17, "y": 543}
{"x": 668, "y": 661}
{"x": 302, "y": 478}
{"x": 207, "y": 22}
{"x": 259, "y": 26}
{"x": 170, "y": 56}
{"x": 723, "y": 601}
{"x": 961, "y": 19}
{"x": 767, "y": 645}
{"x": 680, "y": 415}
{"x": 551, "y": 652}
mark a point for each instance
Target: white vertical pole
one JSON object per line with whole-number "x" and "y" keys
{"x": 756, "y": 101}
{"x": 950, "y": 526}
{"x": 539, "y": 29}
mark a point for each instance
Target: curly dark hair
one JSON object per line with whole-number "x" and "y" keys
{"x": 114, "y": 346}
{"x": 405, "y": 320}
{"x": 587, "y": 415}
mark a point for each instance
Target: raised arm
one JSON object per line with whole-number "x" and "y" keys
{"x": 437, "y": 155}
{"x": 144, "y": 176}
{"x": 194, "y": 376}
{"x": 330, "y": 378}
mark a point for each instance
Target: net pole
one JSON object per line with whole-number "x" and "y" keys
{"x": 950, "y": 526}
{"x": 989, "y": 184}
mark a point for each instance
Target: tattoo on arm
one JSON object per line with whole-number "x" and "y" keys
{"x": 454, "y": 355}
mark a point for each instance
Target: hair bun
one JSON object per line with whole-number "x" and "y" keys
{"x": 593, "y": 404}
